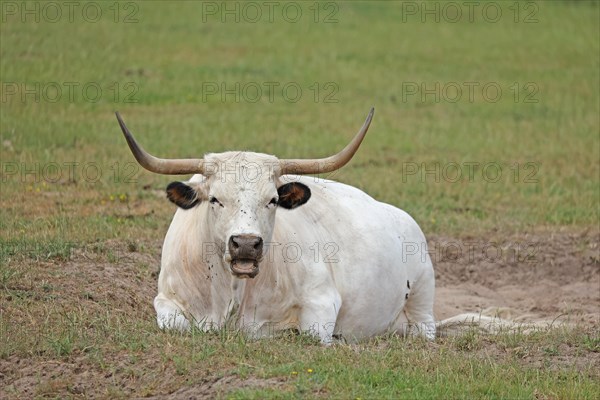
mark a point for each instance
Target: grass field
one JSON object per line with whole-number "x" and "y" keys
{"x": 486, "y": 126}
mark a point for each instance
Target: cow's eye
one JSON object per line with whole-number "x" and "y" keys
{"x": 273, "y": 202}
{"x": 214, "y": 200}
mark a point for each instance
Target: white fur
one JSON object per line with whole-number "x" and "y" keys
{"x": 336, "y": 265}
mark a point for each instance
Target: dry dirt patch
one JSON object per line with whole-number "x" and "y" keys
{"x": 531, "y": 276}
{"x": 217, "y": 387}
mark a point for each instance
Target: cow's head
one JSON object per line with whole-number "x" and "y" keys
{"x": 242, "y": 192}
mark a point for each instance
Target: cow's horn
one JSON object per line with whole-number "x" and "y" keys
{"x": 160, "y": 165}
{"x": 329, "y": 164}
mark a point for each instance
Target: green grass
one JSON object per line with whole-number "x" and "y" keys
{"x": 547, "y": 152}
{"x": 510, "y": 365}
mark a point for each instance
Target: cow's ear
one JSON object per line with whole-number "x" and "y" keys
{"x": 183, "y": 195}
{"x": 292, "y": 195}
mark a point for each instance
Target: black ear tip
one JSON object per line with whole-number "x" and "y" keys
{"x": 173, "y": 185}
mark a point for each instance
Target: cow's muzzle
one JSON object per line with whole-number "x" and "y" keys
{"x": 246, "y": 253}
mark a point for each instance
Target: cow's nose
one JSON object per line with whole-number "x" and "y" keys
{"x": 245, "y": 246}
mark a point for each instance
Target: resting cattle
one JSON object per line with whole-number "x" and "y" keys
{"x": 258, "y": 246}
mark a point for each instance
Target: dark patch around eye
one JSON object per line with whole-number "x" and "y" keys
{"x": 214, "y": 200}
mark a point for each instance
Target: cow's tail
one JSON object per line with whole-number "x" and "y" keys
{"x": 469, "y": 322}
{"x": 488, "y": 322}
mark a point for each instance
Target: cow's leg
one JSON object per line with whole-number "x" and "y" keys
{"x": 419, "y": 305}
{"x": 319, "y": 314}
{"x": 169, "y": 315}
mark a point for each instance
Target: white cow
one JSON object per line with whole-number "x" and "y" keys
{"x": 323, "y": 257}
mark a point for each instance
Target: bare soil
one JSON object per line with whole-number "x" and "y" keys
{"x": 528, "y": 277}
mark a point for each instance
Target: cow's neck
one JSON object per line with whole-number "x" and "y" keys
{"x": 238, "y": 300}
{"x": 235, "y": 300}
